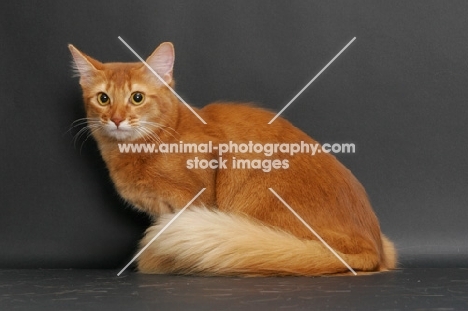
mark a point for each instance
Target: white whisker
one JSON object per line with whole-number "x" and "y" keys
{"x": 161, "y": 127}
{"x": 89, "y": 126}
{"x": 91, "y": 130}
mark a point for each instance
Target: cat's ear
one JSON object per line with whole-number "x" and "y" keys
{"x": 85, "y": 67}
{"x": 162, "y": 61}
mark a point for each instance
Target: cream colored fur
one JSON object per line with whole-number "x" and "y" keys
{"x": 210, "y": 242}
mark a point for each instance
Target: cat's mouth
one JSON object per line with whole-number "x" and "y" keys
{"x": 122, "y": 132}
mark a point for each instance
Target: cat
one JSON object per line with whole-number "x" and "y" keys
{"x": 236, "y": 227}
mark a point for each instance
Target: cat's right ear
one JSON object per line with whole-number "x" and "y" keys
{"x": 85, "y": 67}
{"x": 162, "y": 61}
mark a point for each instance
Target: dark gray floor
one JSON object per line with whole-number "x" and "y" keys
{"x": 407, "y": 289}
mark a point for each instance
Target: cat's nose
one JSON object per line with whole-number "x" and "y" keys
{"x": 117, "y": 121}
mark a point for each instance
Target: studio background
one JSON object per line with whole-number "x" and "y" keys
{"x": 398, "y": 92}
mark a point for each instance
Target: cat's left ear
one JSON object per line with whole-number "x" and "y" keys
{"x": 85, "y": 66}
{"x": 162, "y": 61}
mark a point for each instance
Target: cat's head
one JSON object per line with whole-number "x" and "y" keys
{"x": 126, "y": 101}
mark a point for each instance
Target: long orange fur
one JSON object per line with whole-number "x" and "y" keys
{"x": 237, "y": 226}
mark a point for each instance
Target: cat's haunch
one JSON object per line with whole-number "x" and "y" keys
{"x": 236, "y": 226}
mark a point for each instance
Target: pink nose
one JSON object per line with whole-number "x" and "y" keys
{"x": 116, "y": 121}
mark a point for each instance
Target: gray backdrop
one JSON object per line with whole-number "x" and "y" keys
{"x": 399, "y": 93}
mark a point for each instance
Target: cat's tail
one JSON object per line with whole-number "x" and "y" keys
{"x": 207, "y": 242}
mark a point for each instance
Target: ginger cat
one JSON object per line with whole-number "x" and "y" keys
{"x": 236, "y": 226}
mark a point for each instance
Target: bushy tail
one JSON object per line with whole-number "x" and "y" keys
{"x": 207, "y": 242}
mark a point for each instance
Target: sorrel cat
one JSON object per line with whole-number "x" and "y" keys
{"x": 236, "y": 226}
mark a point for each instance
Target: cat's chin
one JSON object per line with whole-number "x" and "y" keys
{"x": 121, "y": 134}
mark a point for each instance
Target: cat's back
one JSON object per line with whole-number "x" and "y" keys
{"x": 237, "y": 113}
{"x": 249, "y": 121}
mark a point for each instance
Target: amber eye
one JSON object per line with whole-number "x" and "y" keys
{"x": 103, "y": 99}
{"x": 138, "y": 98}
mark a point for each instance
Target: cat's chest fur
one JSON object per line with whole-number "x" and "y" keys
{"x": 156, "y": 183}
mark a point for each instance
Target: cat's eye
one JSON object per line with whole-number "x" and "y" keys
{"x": 103, "y": 99}
{"x": 138, "y": 98}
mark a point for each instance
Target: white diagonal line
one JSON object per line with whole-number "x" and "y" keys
{"x": 313, "y": 79}
{"x": 313, "y": 231}
{"x": 162, "y": 80}
{"x": 161, "y": 231}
